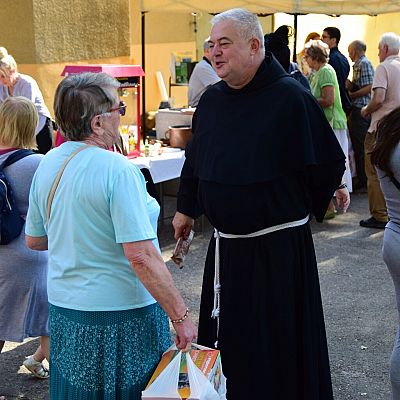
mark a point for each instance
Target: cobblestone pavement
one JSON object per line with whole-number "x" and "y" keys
{"x": 358, "y": 297}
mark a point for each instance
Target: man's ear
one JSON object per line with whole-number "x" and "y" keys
{"x": 254, "y": 45}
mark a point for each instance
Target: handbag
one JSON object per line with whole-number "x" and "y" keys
{"x": 171, "y": 380}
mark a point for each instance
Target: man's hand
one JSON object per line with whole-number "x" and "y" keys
{"x": 364, "y": 112}
{"x": 343, "y": 199}
{"x": 182, "y": 225}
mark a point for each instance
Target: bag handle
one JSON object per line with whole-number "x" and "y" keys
{"x": 395, "y": 182}
{"x": 58, "y": 177}
{"x": 197, "y": 346}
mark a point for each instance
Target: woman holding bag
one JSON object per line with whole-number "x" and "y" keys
{"x": 325, "y": 88}
{"x": 109, "y": 290}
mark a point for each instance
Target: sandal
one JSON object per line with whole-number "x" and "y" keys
{"x": 36, "y": 368}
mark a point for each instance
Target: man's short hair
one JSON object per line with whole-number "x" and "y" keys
{"x": 391, "y": 40}
{"x": 359, "y": 46}
{"x": 334, "y": 33}
{"x": 249, "y": 25}
{"x": 206, "y": 44}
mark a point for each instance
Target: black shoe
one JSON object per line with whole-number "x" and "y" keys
{"x": 372, "y": 223}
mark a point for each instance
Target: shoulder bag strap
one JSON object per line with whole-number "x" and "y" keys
{"x": 15, "y": 156}
{"x": 58, "y": 177}
{"x": 395, "y": 182}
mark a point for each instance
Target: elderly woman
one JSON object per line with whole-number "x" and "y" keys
{"x": 12, "y": 83}
{"x": 109, "y": 290}
{"x": 23, "y": 272}
{"x": 386, "y": 157}
{"x": 325, "y": 88}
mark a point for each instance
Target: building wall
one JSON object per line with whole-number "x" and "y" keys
{"x": 17, "y": 29}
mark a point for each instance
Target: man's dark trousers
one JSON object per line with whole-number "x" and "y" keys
{"x": 358, "y": 128}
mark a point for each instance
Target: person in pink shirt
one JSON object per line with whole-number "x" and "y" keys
{"x": 385, "y": 98}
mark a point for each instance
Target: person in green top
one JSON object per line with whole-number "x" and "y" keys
{"x": 325, "y": 88}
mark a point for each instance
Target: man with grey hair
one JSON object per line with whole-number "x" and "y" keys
{"x": 263, "y": 157}
{"x": 202, "y": 77}
{"x": 385, "y": 98}
{"x": 359, "y": 90}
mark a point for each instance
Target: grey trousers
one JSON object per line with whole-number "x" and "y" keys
{"x": 391, "y": 256}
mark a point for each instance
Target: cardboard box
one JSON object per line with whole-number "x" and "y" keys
{"x": 208, "y": 361}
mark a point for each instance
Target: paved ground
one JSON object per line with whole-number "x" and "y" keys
{"x": 358, "y": 299}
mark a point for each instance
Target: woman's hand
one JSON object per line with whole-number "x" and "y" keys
{"x": 186, "y": 333}
{"x": 343, "y": 199}
{"x": 182, "y": 225}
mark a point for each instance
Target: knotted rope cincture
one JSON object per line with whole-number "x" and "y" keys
{"x": 216, "y": 312}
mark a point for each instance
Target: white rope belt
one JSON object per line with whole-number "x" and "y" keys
{"x": 218, "y": 235}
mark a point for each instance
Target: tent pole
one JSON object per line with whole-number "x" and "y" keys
{"x": 143, "y": 78}
{"x": 294, "y": 37}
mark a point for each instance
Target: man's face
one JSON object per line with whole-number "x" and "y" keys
{"x": 352, "y": 53}
{"x": 382, "y": 52}
{"x": 231, "y": 56}
{"x": 331, "y": 42}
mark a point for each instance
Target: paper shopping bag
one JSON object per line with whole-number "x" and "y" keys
{"x": 196, "y": 375}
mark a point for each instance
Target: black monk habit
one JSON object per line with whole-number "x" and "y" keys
{"x": 261, "y": 156}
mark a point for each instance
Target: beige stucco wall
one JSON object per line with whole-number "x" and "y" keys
{"x": 45, "y": 35}
{"x": 76, "y": 30}
{"x": 17, "y": 30}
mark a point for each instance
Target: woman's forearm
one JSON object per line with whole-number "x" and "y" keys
{"x": 150, "y": 268}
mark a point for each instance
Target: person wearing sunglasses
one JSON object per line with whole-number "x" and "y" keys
{"x": 110, "y": 293}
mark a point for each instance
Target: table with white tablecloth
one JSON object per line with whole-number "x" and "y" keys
{"x": 163, "y": 167}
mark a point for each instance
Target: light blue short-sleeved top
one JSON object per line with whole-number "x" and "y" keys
{"x": 100, "y": 203}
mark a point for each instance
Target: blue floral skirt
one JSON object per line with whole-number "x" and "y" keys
{"x": 106, "y": 355}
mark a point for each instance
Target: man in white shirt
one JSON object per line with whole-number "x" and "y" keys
{"x": 385, "y": 98}
{"x": 202, "y": 77}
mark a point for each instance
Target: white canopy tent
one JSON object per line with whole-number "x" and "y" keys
{"x": 330, "y": 7}
{"x": 265, "y": 7}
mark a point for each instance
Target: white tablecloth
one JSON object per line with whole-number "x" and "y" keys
{"x": 162, "y": 168}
